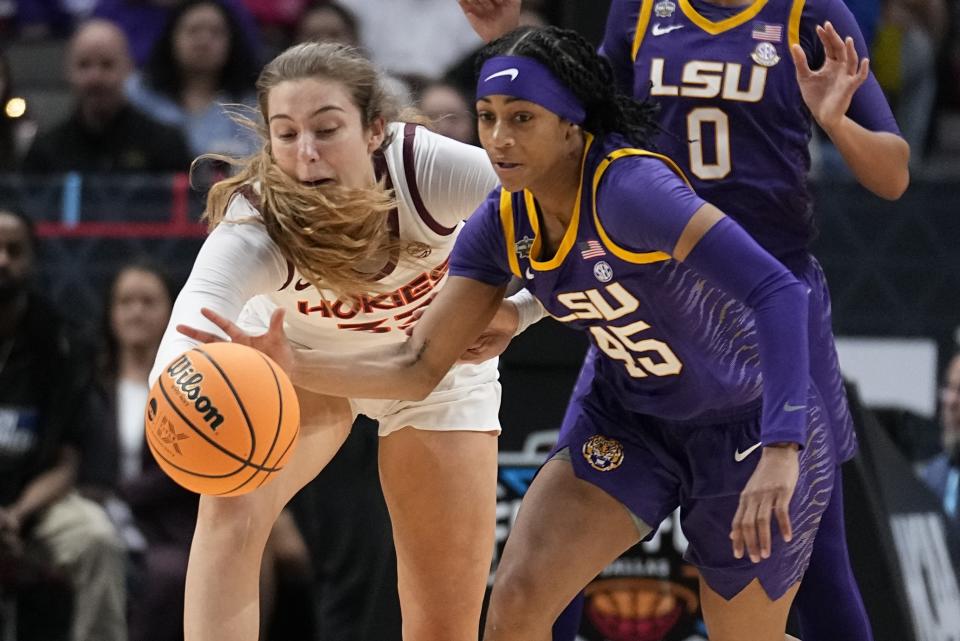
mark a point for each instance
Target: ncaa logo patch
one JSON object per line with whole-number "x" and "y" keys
{"x": 602, "y": 453}
{"x": 664, "y": 9}
{"x": 765, "y": 55}
{"x": 523, "y": 247}
{"x": 603, "y": 271}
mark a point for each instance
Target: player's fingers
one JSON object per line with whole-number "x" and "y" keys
{"x": 736, "y": 531}
{"x": 832, "y": 43}
{"x": 863, "y": 72}
{"x": 229, "y": 327}
{"x": 763, "y": 525}
{"x": 800, "y": 61}
{"x": 781, "y": 509}
{"x": 276, "y": 320}
{"x": 199, "y": 334}
{"x": 851, "y": 55}
{"x": 749, "y": 528}
{"x": 825, "y": 41}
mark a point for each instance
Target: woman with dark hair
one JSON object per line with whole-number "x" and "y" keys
{"x": 155, "y": 516}
{"x": 701, "y": 397}
{"x": 200, "y": 63}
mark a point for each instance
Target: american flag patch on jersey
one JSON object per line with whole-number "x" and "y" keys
{"x": 766, "y": 31}
{"x": 591, "y": 249}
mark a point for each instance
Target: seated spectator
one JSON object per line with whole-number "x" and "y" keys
{"x": 449, "y": 112}
{"x": 144, "y": 20}
{"x": 199, "y": 64}
{"x": 156, "y": 515}
{"x": 16, "y": 127}
{"x": 44, "y": 392}
{"x": 328, "y": 22}
{"x": 104, "y": 133}
{"x": 942, "y": 472}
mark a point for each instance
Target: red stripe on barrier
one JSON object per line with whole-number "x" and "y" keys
{"x": 180, "y": 207}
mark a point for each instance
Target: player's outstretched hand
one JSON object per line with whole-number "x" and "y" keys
{"x": 768, "y": 491}
{"x": 494, "y": 340}
{"x": 273, "y": 343}
{"x": 492, "y": 18}
{"x": 828, "y": 90}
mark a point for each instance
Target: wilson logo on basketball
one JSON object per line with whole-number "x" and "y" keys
{"x": 188, "y": 381}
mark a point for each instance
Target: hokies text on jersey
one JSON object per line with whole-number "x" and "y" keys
{"x": 416, "y": 293}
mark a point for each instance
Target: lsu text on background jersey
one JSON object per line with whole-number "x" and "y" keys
{"x": 732, "y": 115}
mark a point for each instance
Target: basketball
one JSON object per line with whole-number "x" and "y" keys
{"x": 222, "y": 419}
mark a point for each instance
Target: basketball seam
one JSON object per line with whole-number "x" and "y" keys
{"x": 276, "y": 432}
{"x": 243, "y": 408}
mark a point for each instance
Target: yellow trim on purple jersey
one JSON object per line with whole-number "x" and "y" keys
{"x": 793, "y": 28}
{"x": 638, "y": 258}
{"x": 570, "y": 235}
{"x": 713, "y": 28}
{"x": 643, "y": 20}
{"x": 506, "y": 221}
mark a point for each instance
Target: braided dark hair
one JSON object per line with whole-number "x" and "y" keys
{"x": 575, "y": 63}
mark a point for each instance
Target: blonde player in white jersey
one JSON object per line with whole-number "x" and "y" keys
{"x": 313, "y": 208}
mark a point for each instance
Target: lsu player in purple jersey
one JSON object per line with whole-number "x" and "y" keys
{"x": 701, "y": 395}
{"x": 736, "y": 113}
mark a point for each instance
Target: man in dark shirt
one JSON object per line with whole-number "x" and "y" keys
{"x": 105, "y": 133}
{"x": 45, "y": 390}
{"x": 942, "y": 472}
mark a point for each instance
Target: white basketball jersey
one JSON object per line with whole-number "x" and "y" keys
{"x": 241, "y": 274}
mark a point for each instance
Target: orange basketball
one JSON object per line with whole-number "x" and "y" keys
{"x": 222, "y": 419}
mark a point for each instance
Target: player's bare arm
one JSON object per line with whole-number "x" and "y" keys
{"x": 409, "y": 370}
{"x": 828, "y": 92}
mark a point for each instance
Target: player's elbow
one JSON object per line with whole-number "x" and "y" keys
{"x": 418, "y": 377}
{"x": 421, "y": 385}
{"x": 896, "y": 182}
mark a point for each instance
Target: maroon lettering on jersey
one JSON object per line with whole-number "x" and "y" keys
{"x": 306, "y": 309}
{"x": 391, "y": 300}
{"x": 345, "y": 309}
{"x": 438, "y": 272}
{"x": 417, "y": 288}
{"x": 374, "y": 327}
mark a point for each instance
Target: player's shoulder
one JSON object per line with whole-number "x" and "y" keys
{"x": 244, "y": 206}
{"x": 411, "y": 143}
{"x": 813, "y": 12}
{"x": 619, "y": 161}
{"x": 243, "y": 222}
